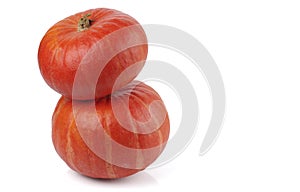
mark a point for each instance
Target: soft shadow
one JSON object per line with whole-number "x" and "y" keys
{"x": 140, "y": 179}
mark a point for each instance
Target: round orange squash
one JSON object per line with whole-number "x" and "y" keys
{"x": 114, "y": 136}
{"x": 91, "y": 48}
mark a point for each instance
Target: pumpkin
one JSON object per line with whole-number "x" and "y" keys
{"x": 114, "y": 136}
{"x": 93, "y": 48}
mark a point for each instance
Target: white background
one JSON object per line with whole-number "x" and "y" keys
{"x": 256, "y": 45}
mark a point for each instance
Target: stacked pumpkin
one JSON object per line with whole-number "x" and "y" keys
{"x": 106, "y": 124}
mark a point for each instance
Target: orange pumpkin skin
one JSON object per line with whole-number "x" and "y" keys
{"x": 101, "y": 51}
{"x": 80, "y": 147}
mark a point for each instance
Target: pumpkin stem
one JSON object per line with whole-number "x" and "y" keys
{"x": 84, "y": 23}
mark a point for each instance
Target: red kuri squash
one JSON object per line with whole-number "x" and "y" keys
{"x": 111, "y": 137}
{"x": 91, "y": 48}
